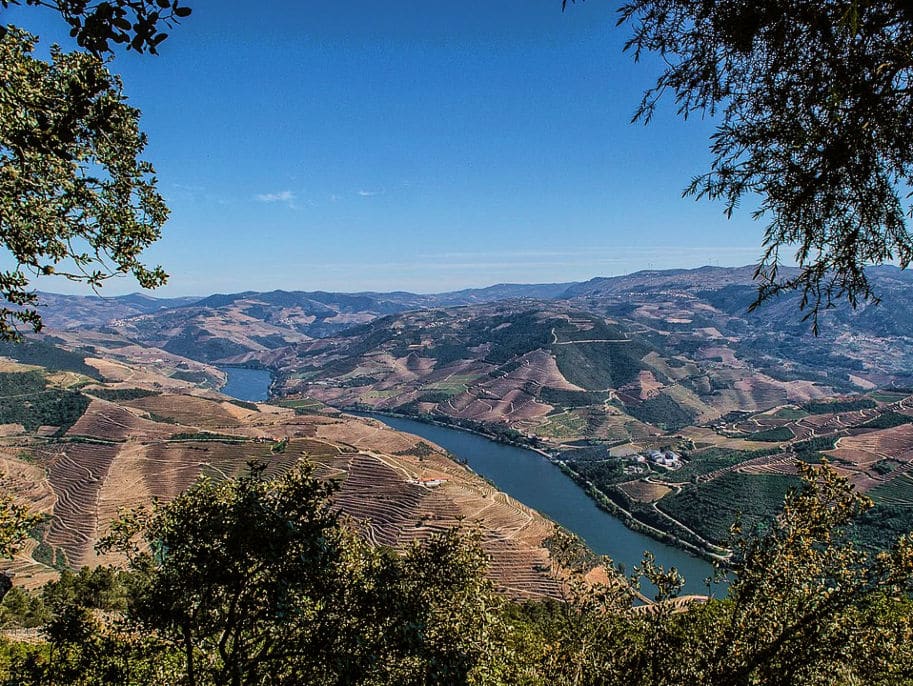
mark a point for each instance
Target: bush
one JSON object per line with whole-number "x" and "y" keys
{"x": 777, "y": 434}
{"x": 837, "y": 406}
{"x": 115, "y": 394}
{"x": 52, "y": 407}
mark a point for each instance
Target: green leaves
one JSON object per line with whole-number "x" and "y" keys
{"x": 814, "y": 127}
{"x": 16, "y": 522}
{"x": 257, "y": 581}
{"x": 99, "y": 26}
{"x": 73, "y": 191}
{"x": 75, "y": 197}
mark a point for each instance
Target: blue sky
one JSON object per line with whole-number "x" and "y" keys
{"x": 422, "y": 146}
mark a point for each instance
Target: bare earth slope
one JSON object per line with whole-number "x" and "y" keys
{"x": 139, "y": 438}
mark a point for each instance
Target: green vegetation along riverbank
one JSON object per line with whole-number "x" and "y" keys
{"x": 640, "y": 520}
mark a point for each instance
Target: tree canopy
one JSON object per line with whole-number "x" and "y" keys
{"x": 76, "y": 199}
{"x": 260, "y": 581}
{"x": 814, "y": 109}
{"x": 136, "y": 24}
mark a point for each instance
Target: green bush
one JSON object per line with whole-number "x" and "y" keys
{"x": 49, "y": 356}
{"x": 662, "y": 411}
{"x": 837, "y": 406}
{"x": 115, "y": 394}
{"x": 710, "y": 508}
{"x": 20, "y": 383}
{"x": 777, "y": 434}
{"x": 51, "y": 407}
{"x": 887, "y": 420}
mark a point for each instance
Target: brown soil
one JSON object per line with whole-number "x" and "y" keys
{"x": 389, "y": 497}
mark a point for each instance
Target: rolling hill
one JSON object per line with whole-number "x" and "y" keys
{"x": 221, "y": 326}
{"x": 596, "y": 373}
{"x": 79, "y": 449}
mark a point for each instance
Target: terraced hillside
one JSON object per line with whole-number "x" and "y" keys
{"x": 596, "y": 373}
{"x": 546, "y": 371}
{"x": 133, "y": 439}
{"x": 486, "y": 364}
{"x": 741, "y": 467}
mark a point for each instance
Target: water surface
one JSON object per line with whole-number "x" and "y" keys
{"x": 534, "y": 481}
{"x": 247, "y": 384}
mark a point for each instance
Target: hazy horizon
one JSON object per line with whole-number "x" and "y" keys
{"x": 241, "y": 288}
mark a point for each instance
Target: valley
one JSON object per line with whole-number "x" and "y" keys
{"x": 602, "y": 376}
{"x": 81, "y": 449}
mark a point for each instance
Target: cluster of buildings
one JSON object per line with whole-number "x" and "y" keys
{"x": 665, "y": 458}
{"x": 662, "y": 458}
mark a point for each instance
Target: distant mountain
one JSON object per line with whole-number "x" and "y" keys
{"x": 501, "y": 291}
{"x": 222, "y": 326}
{"x": 390, "y": 303}
{"x": 679, "y": 310}
{"x": 78, "y": 311}
{"x": 612, "y": 358}
{"x": 871, "y": 345}
{"x": 661, "y": 280}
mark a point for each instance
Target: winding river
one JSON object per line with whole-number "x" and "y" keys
{"x": 251, "y": 385}
{"x": 530, "y": 478}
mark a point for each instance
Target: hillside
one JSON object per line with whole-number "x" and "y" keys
{"x": 544, "y": 369}
{"x": 741, "y": 467}
{"x": 224, "y": 325}
{"x": 596, "y": 373}
{"x": 704, "y": 312}
{"x": 79, "y": 449}
{"x": 78, "y": 312}
{"x": 513, "y": 362}
{"x": 690, "y": 313}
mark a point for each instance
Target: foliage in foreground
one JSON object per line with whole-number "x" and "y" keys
{"x": 75, "y": 197}
{"x": 258, "y": 581}
{"x": 814, "y": 122}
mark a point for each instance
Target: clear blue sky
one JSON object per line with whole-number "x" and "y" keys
{"x": 417, "y": 145}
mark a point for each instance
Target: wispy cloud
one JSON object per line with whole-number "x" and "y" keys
{"x": 369, "y": 194}
{"x": 190, "y": 188}
{"x": 286, "y": 197}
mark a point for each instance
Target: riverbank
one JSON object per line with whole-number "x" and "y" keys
{"x": 477, "y": 428}
{"x": 600, "y": 499}
{"x": 630, "y": 520}
{"x": 537, "y": 480}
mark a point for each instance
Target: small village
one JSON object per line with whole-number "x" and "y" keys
{"x": 667, "y": 459}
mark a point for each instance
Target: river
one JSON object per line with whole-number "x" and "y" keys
{"x": 247, "y": 384}
{"x": 530, "y": 478}
{"x": 533, "y": 480}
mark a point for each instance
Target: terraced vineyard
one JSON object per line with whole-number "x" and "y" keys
{"x": 744, "y": 466}
{"x": 897, "y": 491}
{"x": 132, "y": 444}
{"x": 654, "y": 361}
{"x": 712, "y": 507}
